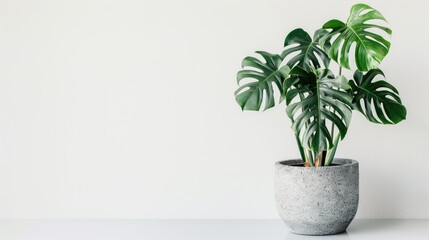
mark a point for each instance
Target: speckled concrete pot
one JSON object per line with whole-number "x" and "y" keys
{"x": 317, "y": 201}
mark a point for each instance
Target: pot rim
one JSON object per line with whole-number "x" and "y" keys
{"x": 342, "y": 162}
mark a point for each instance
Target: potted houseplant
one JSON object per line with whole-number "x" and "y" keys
{"x": 318, "y": 194}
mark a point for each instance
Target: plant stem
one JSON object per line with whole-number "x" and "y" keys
{"x": 308, "y": 154}
{"x": 305, "y": 154}
{"x": 332, "y": 126}
{"x": 331, "y": 153}
{"x": 301, "y": 149}
{"x": 309, "y": 157}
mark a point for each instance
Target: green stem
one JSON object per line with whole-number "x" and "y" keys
{"x": 331, "y": 152}
{"x": 308, "y": 153}
{"x": 301, "y": 149}
{"x": 332, "y": 126}
{"x": 305, "y": 154}
{"x": 310, "y": 157}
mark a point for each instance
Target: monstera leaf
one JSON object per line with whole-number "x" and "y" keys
{"x": 378, "y": 95}
{"x": 298, "y": 41}
{"x": 314, "y": 99}
{"x": 370, "y": 48}
{"x": 262, "y": 76}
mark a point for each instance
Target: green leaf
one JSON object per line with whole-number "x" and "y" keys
{"x": 370, "y": 49}
{"x": 298, "y": 41}
{"x": 262, "y": 76}
{"x": 314, "y": 100}
{"x": 379, "y": 95}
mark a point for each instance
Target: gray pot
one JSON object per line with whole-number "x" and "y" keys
{"x": 317, "y": 201}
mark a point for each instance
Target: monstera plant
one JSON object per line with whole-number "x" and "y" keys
{"x": 318, "y": 101}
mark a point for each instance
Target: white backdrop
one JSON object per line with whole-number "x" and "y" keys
{"x": 125, "y": 109}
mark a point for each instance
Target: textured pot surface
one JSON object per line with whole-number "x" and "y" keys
{"x": 317, "y": 201}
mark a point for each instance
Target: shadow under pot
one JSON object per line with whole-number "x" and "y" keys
{"x": 317, "y": 201}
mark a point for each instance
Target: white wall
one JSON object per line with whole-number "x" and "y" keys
{"x": 125, "y": 109}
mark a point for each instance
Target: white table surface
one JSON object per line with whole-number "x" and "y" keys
{"x": 200, "y": 229}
